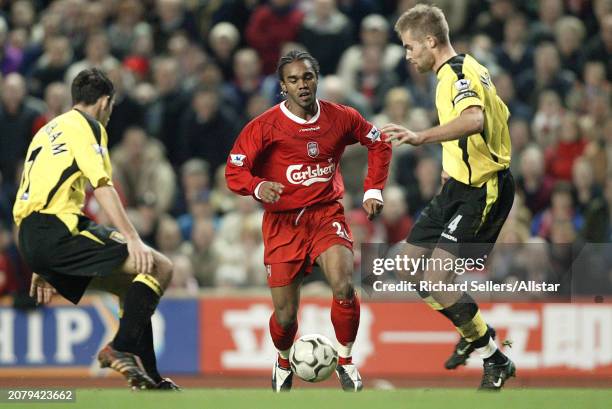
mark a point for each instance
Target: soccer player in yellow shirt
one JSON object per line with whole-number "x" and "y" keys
{"x": 71, "y": 253}
{"x": 478, "y": 191}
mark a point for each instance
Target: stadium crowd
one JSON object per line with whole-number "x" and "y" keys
{"x": 190, "y": 74}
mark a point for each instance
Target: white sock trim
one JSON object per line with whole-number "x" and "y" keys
{"x": 487, "y": 350}
{"x": 345, "y": 351}
{"x": 284, "y": 354}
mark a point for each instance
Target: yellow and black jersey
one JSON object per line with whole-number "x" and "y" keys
{"x": 63, "y": 156}
{"x": 472, "y": 160}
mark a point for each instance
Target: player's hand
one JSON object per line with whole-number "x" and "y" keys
{"x": 400, "y": 135}
{"x": 41, "y": 290}
{"x": 142, "y": 255}
{"x": 270, "y": 192}
{"x": 373, "y": 208}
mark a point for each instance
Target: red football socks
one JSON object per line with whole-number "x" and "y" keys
{"x": 345, "y": 319}
{"x": 282, "y": 337}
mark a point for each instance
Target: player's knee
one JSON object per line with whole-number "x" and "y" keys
{"x": 343, "y": 289}
{"x": 286, "y": 316}
{"x": 163, "y": 270}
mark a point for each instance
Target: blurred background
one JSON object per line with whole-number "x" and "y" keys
{"x": 190, "y": 74}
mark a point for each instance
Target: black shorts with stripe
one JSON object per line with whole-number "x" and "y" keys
{"x": 69, "y": 262}
{"x": 465, "y": 220}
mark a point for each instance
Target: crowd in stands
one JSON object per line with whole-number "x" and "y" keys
{"x": 190, "y": 74}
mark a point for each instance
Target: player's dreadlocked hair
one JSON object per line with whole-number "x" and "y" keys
{"x": 296, "y": 55}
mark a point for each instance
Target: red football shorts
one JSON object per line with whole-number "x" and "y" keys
{"x": 293, "y": 240}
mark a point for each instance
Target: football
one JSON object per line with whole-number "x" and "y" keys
{"x": 313, "y": 358}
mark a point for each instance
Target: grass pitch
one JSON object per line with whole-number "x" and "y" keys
{"x": 333, "y": 399}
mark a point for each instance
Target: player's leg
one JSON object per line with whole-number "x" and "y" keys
{"x": 466, "y": 226}
{"x": 118, "y": 285}
{"x": 141, "y": 296}
{"x": 283, "y": 322}
{"x": 337, "y": 265}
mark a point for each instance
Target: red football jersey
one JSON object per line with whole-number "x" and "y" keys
{"x": 304, "y": 156}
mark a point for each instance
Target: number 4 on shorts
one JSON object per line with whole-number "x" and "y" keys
{"x": 452, "y": 226}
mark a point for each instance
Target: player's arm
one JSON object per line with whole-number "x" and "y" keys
{"x": 107, "y": 197}
{"x": 462, "y": 95}
{"x": 238, "y": 172}
{"x": 93, "y": 161}
{"x": 379, "y": 159}
{"x": 469, "y": 122}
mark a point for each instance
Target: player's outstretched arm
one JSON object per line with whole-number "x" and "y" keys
{"x": 471, "y": 121}
{"x": 107, "y": 196}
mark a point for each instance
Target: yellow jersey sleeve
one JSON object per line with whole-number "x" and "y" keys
{"x": 91, "y": 155}
{"x": 465, "y": 91}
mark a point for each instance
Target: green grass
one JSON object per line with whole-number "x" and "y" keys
{"x": 329, "y": 398}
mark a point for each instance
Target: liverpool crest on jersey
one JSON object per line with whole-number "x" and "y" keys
{"x": 312, "y": 149}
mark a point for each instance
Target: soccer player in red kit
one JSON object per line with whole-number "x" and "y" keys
{"x": 288, "y": 158}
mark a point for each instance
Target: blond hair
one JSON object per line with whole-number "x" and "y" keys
{"x": 423, "y": 20}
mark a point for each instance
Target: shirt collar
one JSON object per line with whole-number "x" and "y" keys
{"x": 296, "y": 118}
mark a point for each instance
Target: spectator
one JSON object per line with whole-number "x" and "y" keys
{"x": 57, "y": 100}
{"x": 333, "y": 89}
{"x": 562, "y": 208}
{"x": 222, "y": 200}
{"x": 257, "y": 105}
{"x": 583, "y": 179}
{"x": 127, "y": 112}
{"x": 569, "y": 38}
{"x": 17, "y": 116}
{"x": 549, "y": 13}
{"x": 9, "y": 282}
{"x": 162, "y": 118}
{"x": 514, "y": 54}
{"x": 270, "y": 26}
{"x": 207, "y": 130}
{"x": 421, "y": 86}
{"x": 223, "y": 40}
{"x": 561, "y": 156}
{"x": 505, "y": 89}
{"x": 248, "y": 79}
{"x": 169, "y": 240}
{"x": 374, "y": 33}
{"x": 398, "y": 109}
{"x": 326, "y": 33}
{"x": 520, "y": 138}
{"x": 141, "y": 169}
{"x": 546, "y": 124}
{"x": 599, "y": 48}
{"x": 427, "y": 174}
{"x": 395, "y": 216}
{"x": 171, "y": 17}
{"x": 236, "y": 235}
{"x": 195, "y": 181}
{"x": 203, "y": 258}
{"x": 598, "y": 217}
{"x": 491, "y": 22}
{"x": 532, "y": 182}
{"x": 51, "y": 66}
{"x": 97, "y": 54}
{"x": 546, "y": 74}
{"x": 373, "y": 80}
{"x": 122, "y": 32}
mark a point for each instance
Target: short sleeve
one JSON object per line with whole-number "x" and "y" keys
{"x": 466, "y": 92}
{"x": 91, "y": 154}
